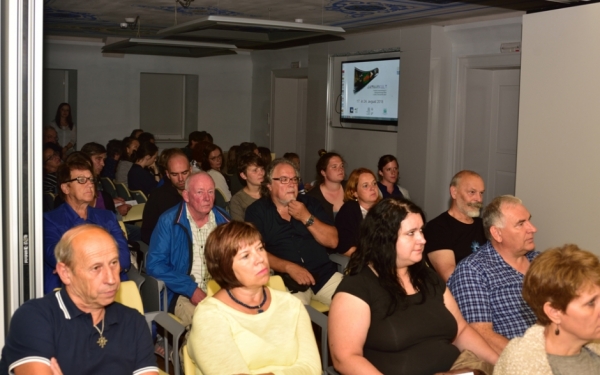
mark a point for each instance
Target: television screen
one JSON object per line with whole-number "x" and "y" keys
{"x": 370, "y": 92}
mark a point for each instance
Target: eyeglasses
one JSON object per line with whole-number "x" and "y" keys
{"x": 55, "y": 155}
{"x": 82, "y": 180}
{"x": 286, "y": 180}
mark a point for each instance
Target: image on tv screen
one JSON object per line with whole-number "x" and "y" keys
{"x": 370, "y": 91}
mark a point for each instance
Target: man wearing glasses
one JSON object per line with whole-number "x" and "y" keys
{"x": 77, "y": 188}
{"x": 296, "y": 231}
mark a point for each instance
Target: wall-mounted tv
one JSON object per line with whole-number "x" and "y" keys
{"x": 369, "y": 96}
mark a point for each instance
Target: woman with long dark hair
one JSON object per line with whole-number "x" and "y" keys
{"x": 212, "y": 160}
{"x": 65, "y": 127}
{"x": 403, "y": 319}
{"x": 130, "y": 146}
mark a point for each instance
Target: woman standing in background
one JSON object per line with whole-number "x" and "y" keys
{"x": 65, "y": 127}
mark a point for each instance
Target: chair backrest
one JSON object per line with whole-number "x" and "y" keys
{"x": 129, "y": 295}
{"x": 123, "y": 191}
{"x": 189, "y": 366}
{"x": 108, "y": 186}
{"x": 220, "y": 199}
{"x": 139, "y": 196}
{"x": 48, "y": 202}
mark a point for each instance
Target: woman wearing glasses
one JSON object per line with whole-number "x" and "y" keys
{"x": 77, "y": 188}
{"x": 212, "y": 160}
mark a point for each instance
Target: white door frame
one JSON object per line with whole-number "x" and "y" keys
{"x": 492, "y": 62}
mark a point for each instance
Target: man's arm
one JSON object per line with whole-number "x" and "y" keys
{"x": 298, "y": 273}
{"x": 444, "y": 262}
{"x": 324, "y": 234}
{"x": 495, "y": 340}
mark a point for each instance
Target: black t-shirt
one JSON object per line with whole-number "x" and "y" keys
{"x": 291, "y": 240}
{"x": 445, "y": 232}
{"x": 413, "y": 340}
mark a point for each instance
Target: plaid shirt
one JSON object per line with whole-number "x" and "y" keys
{"x": 487, "y": 289}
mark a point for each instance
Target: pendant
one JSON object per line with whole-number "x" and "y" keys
{"x": 102, "y": 341}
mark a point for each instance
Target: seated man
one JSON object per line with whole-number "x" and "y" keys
{"x": 487, "y": 284}
{"x": 176, "y": 253}
{"x": 80, "y": 329}
{"x": 169, "y": 194}
{"x": 458, "y": 232}
{"x": 296, "y": 231}
{"x": 76, "y": 181}
{"x": 51, "y": 163}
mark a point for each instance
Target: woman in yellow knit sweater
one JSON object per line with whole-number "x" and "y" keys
{"x": 246, "y": 327}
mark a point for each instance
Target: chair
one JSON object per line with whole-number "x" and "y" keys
{"x": 138, "y": 195}
{"x": 135, "y": 213}
{"x": 108, "y": 186}
{"x": 123, "y": 191}
{"x": 129, "y": 295}
{"x": 220, "y": 199}
{"x": 48, "y": 203}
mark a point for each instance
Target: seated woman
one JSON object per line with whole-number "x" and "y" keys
{"x": 562, "y": 287}
{"x": 212, "y": 159}
{"x": 144, "y": 174}
{"x": 388, "y": 178}
{"x": 360, "y": 195}
{"x": 403, "y": 319}
{"x": 252, "y": 171}
{"x": 247, "y": 328}
{"x": 130, "y": 146}
{"x": 329, "y": 189}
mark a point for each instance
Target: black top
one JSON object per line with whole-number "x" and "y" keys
{"x": 110, "y": 168}
{"x": 445, "y": 232}
{"x": 53, "y": 326}
{"x": 416, "y": 340}
{"x": 328, "y": 207}
{"x": 291, "y": 240}
{"x": 139, "y": 178}
{"x": 161, "y": 200}
{"x": 236, "y": 183}
{"x": 394, "y": 194}
{"x": 347, "y": 222}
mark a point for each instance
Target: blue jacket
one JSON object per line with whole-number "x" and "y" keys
{"x": 63, "y": 218}
{"x": 171, "y": 251}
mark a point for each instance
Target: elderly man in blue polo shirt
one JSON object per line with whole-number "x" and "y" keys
{"x": 80, "y": 329}
{"x": 487, "y": 284}
{"x": 296, "y": 231}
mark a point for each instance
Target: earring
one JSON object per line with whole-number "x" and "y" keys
{"x": 557, "y": 330}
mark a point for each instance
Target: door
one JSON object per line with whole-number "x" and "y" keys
{"x": 288, "y": 130}
{"x": 491, "y": 127}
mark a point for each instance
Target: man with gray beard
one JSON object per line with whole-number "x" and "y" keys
{"x": 458, "y": 232}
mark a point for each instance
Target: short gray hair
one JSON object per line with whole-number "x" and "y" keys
{"x": 63, "y": 252}
{"x": 268, "y": 180}
{"x": 196, "y": 173}
{"x": 492, "y": 215}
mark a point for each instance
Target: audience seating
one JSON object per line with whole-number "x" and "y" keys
{"x": 108, "y": 186}
{"x": 220, "y": 200}
{"x": 129, "y": 295}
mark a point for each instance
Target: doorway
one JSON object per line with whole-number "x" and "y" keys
{"x": 289, "y": 92}
{"x": 488, "y": 116}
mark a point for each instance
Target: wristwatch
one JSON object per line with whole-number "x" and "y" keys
{"x": 310, "y": 221}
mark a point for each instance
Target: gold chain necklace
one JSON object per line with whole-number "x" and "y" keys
{"x": 102, "y": 340}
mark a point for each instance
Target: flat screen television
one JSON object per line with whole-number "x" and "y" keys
{"x": 369, "y": 96}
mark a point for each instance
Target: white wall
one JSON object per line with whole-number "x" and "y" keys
{"x": 109, "y": 90}
{"x": 558, "y": 151}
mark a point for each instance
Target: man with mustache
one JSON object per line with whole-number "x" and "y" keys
{"x": 487, "y": 284}
{"x": 80, "y": 329}
{"x": 296, "y": 231}
{"x": 458, "y": 232}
